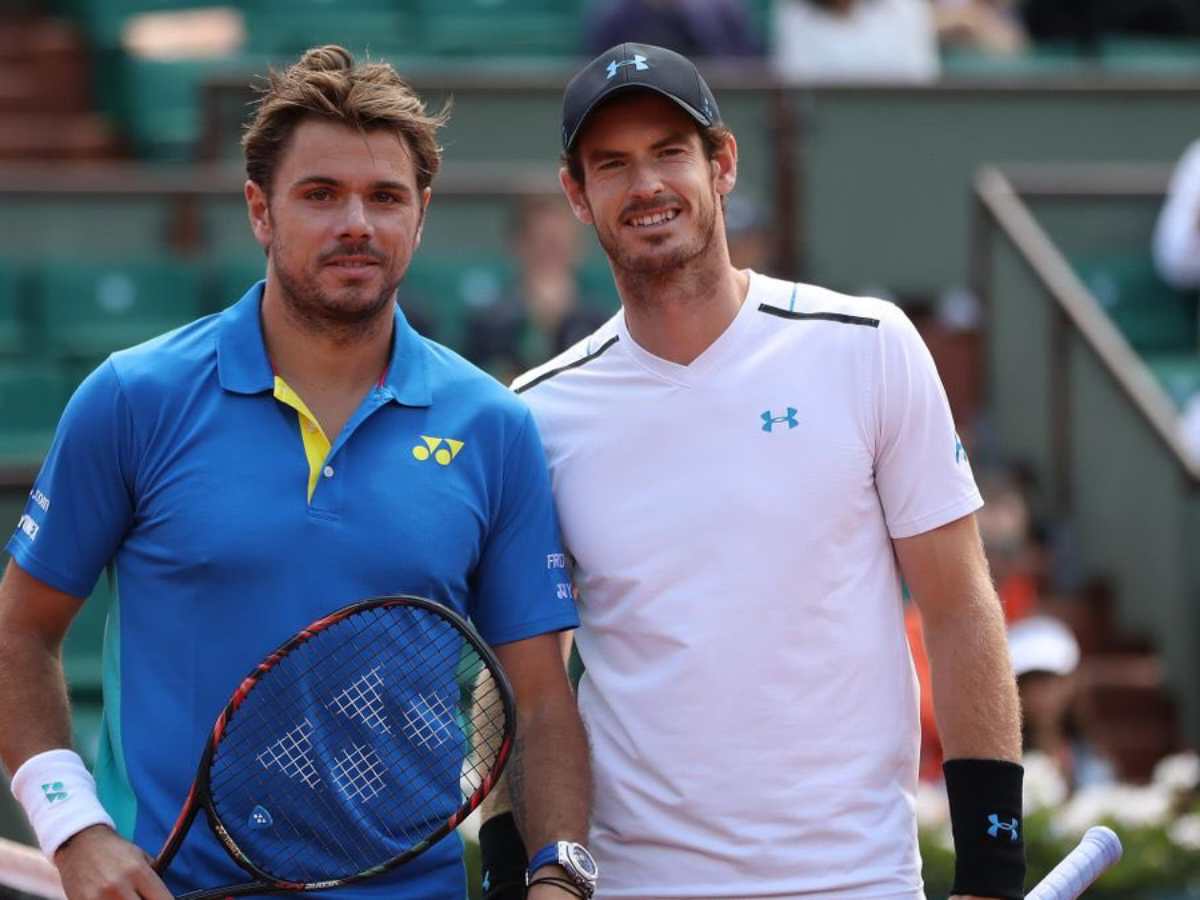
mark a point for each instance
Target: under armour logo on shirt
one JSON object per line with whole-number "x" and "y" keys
{"x": 998, "y": 826}
{"x": 770, "y": 421}
{"x": 638, "y": 62}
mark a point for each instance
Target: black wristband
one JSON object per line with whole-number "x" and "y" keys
{"x": 502, "y": 859}
{"x": 985, "y": 815}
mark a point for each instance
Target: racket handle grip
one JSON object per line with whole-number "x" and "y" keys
{"x": 1099, "y": 849}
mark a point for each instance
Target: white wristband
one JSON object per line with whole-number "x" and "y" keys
{"x": 58, "y": 794}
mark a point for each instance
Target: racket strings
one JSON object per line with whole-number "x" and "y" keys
{"x": 360, "y": 745}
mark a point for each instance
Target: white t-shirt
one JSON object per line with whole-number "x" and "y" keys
{"x": 749, "y": 691}
{"x": 877, "y": 41}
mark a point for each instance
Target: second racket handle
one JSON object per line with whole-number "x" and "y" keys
{"x": 1099, "y": 849}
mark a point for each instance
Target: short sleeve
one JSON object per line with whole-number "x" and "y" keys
{"x": 521, "y": 586}
{"x": 81, "y": 505}
{"x": 922, "y": 473}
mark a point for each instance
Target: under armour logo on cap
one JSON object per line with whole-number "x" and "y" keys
{"x": 638, "y": 62}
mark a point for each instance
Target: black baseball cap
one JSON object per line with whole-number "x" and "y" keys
{"x": 636, "y": 66}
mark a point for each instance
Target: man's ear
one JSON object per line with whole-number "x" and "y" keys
{"x": 426, "y": 196}
{"x": 724, "y": 163}
{"x": 575, "y": 196}
{"x": 258, "y": 207}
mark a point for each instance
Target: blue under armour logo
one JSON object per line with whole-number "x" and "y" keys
{"x": 260, "y": 818}
{"x": 638, "y": 62}
{"x": 998, "y": 826}
{"x": 770, "y": 421}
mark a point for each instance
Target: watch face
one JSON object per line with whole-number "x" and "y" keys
{"x": 582, "y": 861}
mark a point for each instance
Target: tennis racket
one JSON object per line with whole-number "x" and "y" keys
{"x": 1099, "y": 849}
{"x": 351, "y": 749}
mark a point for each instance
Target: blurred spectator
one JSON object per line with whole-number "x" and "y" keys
{"x": 1045, "y": 656}
{"x": 1015, "y": 556}
{"x": 697, "y": 28}
{"x": 1177, "y": 232}
{"x": 748, "y": 234}
{"x": 1177, "y": 258}
{"x": 543, "y": 311}
{"x": 991, "y": 26}
{"x": 854, "y": 40}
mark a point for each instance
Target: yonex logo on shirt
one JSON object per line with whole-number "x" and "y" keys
{"x": 770, "y": 421}
{"x": 55, "y": 791}
{"x": 27, "y": 525}
{"x": 432, "y": 446}
{"x": 998, "y": 826}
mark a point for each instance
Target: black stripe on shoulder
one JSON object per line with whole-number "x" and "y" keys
{"x": 583, "y": 360}
{"x": 824, "y": 316}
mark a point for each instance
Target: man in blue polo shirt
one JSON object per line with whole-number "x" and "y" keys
{"x": 257, "y": 469}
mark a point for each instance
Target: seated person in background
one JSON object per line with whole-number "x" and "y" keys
{"x": 1177, "y": 232}
{"x": 543, "y": 311}
{"x": 704, "y": 28}
{"x": 1014, "y": 557}
{"x": 990, "y": 26}
{"x": 1045, "y": 656}
{"x": 854, "y": 40}
{"x": 1177, "y": 258}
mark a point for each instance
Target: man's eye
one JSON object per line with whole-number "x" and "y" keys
{"x": 386, "y": 197}
{"x": 318, "y": 194}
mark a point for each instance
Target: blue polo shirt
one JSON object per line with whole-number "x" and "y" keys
{"x": 232, "y": 522}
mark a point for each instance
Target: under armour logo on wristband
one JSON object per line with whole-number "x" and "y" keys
{"x": 998, "y": 826}
{"x": 55, "y": 791}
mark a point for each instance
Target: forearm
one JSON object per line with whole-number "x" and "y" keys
{"x": 33, "y": 696}
{"x": 549, "y": 777}
{"x": 974, "y": 691}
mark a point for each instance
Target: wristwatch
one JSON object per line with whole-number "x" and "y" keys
{"x": 575, "y": 860}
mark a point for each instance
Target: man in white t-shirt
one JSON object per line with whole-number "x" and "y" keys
{"x": 744, "y": 470}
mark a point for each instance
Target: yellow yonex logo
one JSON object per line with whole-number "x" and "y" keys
{"x": 441, "y": 449}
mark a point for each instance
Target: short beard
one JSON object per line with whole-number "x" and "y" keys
{"x": 654, "y": 268}
{"x": 318, "y": 313}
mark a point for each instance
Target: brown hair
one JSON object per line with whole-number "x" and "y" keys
{"x": 326, "y": 83}
{"x": 713, "y": 138}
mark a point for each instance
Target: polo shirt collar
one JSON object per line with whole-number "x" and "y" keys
{"x": 243, "y": 366}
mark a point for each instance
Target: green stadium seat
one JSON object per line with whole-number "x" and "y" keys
{"x": 450, "y": 290}
{"x": 1179, "y": 374}
{"x": 32, "y": 397}
{"x": 230, "y": 279}
{"x": 374, "y": 28}
{"x": 90, "y": 310}
{"x": 1153, "y": 317}
{"x": 14, "y": 324}
{"x": 158, "y": 102}
{"x": 503, "y": 27}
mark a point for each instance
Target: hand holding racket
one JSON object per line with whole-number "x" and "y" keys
{"x": 351, "y": 749}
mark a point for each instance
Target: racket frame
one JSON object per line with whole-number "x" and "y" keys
{"x": 200, "y": 796}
